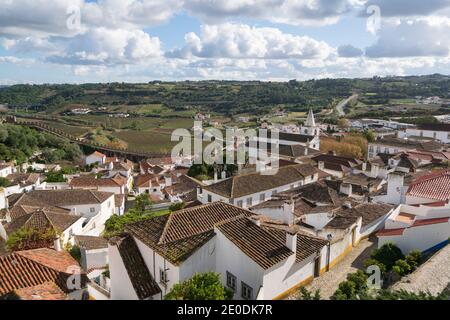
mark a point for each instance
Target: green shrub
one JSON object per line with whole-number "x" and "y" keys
{"x": 388, "y": 254}
{"x": 202, "y": 286}
{"x": 373, "y": 262}
{"x": 402, "y": 267}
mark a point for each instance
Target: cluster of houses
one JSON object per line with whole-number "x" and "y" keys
{"x": 265, "y": 234}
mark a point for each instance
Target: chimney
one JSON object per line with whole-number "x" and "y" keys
{"x": 215, "y": 176}
{"x": 364, "y": 166}
{"x": 57, "y": 244}
{"x": 321, "y": 165}
{"x": 291, "y": 241}
{"x": 224, "y": 175}
{"x": 288, "y": 212}
{"x": 168, "y": 180}
{"x": 306, "y": 151}
{"x": 347, "y": 205}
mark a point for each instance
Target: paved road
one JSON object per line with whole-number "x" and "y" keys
{"x": 341, "y": 105}
{"x": 329, "y": 282}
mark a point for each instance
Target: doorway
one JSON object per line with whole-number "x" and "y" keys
{"x": 317, "y": 267}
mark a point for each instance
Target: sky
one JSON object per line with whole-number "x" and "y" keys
{"x": 82, "y": 41}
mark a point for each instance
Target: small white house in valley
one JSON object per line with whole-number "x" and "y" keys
{"x": 95, "y": 157}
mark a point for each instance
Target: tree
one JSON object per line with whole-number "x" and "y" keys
{"x": 177, "y": 206}
{"x": 343, "y": 123}
{"x": 28, "y": 238}
{"x": 388, "y": 255}
{"x": 202, "y": 286}
{"x": 354, "y": 288}
{"x": 54, "y": 177}
{"x": 305, "y": 294}
{"x": 142, "y": 202}
{"x": 4, "y": 182}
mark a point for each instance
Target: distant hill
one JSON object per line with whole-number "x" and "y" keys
{"x": 226, "y": 97}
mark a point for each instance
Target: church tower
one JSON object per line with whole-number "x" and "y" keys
{"x": 310, "y": 127}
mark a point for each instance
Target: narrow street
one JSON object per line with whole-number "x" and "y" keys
{"x": 329, "y": 282}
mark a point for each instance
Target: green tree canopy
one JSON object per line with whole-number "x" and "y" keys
{"x": 202, "y": 286}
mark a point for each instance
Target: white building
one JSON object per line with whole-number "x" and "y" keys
{"x": 438, "y": 131}
{"x": 62, "y": 221}
{"x": 420, "y": 188}
{"x": 6, "y": 169}
{"x": 256, "y": 260}
{"x": 423, "y": 227}
{"x": 250, "y": 189}
{"x": 95, "y": 157}
{"x": 390, "y": 145}
{"x": 95, "y": 206}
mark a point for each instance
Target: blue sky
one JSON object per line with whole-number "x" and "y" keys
{"x": 144, "y": 40}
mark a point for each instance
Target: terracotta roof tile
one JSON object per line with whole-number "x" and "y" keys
{"x": 34, "y": 267}
{"x": 246, "y": 184}
{"x": 254, "y": 241}
{"x": 59, "y": 198}
{"x": 426, "y": 222}
{"x": 91, "y": 242}
{"x": 177, "y": 236}
{"x": 140, "y": 277}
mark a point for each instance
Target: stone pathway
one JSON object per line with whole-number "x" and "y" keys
{"x": 329, "y": 282}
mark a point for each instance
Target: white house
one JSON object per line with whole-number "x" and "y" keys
{"x": 6, "y": 169}
{"x": 94, "y": 252}
{"x": 250, "y": 189}
{"x": 438, "y": 131}
{"x": 392, "y": 145}
{"x": 95, "y": 206}
{"x": 256, "y": 260}
{"x": 95, "y": 157}
{"x": 423, "y": 227}
{"x": 116, "y": 185}
{"x": 419, "y": 188}
{"x": 62, "y": 221}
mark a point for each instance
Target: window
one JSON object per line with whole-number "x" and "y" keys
{"x": 434, "y": 135}
{"x": 239, "y": 203}
{"x": 246, "y": 291}
{"x": 163, "y": 276}
{"x": 209, "y": 198}
{"x": 262, "y": 197}
{"x": 249, "y": 202}
{"x": 274, "y": 192}
{"x": 231, "y": 281}
{"x": 92, "y": 210}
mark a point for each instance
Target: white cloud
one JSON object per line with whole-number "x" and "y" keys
{"x": 101, "y": 46}
{"x": 295, "y": 12}
{"x": 240, "y": 41}
{"x": 411, "y": 38}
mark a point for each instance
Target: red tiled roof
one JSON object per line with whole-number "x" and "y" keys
{"x": 99, "y": 154}
{"x": 34, "y": 267}
{"x": 426, "y": 222}
{"x": 435, "y": 185}
{"x": 390, "y": 232}
{"x": 46, "y": 291}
